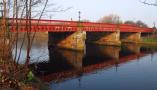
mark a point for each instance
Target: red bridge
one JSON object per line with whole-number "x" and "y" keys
{"x": 74, "y": 34}
{"x": 72, "y": 26}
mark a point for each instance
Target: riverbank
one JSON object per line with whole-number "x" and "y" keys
{"x": 14, "y": 76}
{"x": 18, "y": 77}
{"x": 149, "y": 41}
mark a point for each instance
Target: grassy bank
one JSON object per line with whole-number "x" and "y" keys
{"x": 149, "y": 41}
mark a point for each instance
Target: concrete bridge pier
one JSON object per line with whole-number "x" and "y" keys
{"x": 111, "y": 38}
{"x": 67, "y": 40}
{"x": 133, "y": 37}
{"x": 104, "y": 38}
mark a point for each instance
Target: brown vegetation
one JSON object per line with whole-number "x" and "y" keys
{"x": 112, "y": 18}
{"x": 12, "y": 75}
{"x": 138, "y": 23}
{"x": 115, "y": 19}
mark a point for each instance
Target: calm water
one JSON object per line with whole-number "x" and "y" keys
{"x": 130, "y": 67}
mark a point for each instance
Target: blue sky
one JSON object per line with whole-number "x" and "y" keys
{"x": 95, "y": 9}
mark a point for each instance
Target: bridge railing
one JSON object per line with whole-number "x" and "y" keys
{"x": 66, "y": 26}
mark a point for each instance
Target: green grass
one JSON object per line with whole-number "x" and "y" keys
{"x": 150, "y": 39}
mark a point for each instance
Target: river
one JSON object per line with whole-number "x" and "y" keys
{"x": 129, "y": 67}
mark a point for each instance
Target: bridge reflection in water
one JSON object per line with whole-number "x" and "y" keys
{"x": 66, "y": 64}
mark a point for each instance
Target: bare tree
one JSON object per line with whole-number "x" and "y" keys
{"x": 19, "y": 9}
{"x": 149, "y": 2}
{"x": 112, "y": 18}
{"x": 138, "y": 23}
{"x": 130, "y": 22}
{"x": 21, "y": 12}
{"x": 17, "y": 14}
{"x": 141, "y": 24}
{"x": 27, "y": 9}
{"x": 3, "y": 27}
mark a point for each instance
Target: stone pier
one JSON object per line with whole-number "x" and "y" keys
{"x": 104, "y": 38}
{"x": 134, "y": 37}
{"x": 68, "y": 40}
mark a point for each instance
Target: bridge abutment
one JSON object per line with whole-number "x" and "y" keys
{"x": 134, "y": 37}
{"x": 68, "y": 40}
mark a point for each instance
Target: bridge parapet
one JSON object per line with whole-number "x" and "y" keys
{"x": 72, "y": 26}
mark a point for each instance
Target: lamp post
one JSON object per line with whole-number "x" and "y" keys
{"x": 154, "y": 27}
{"x": 154, "y": 24}
{"x": 79, "y": 13}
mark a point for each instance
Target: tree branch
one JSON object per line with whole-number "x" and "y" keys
{"x": 147, "y": 3}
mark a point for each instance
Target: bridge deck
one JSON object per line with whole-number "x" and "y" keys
{"x": 72, "y": 26}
